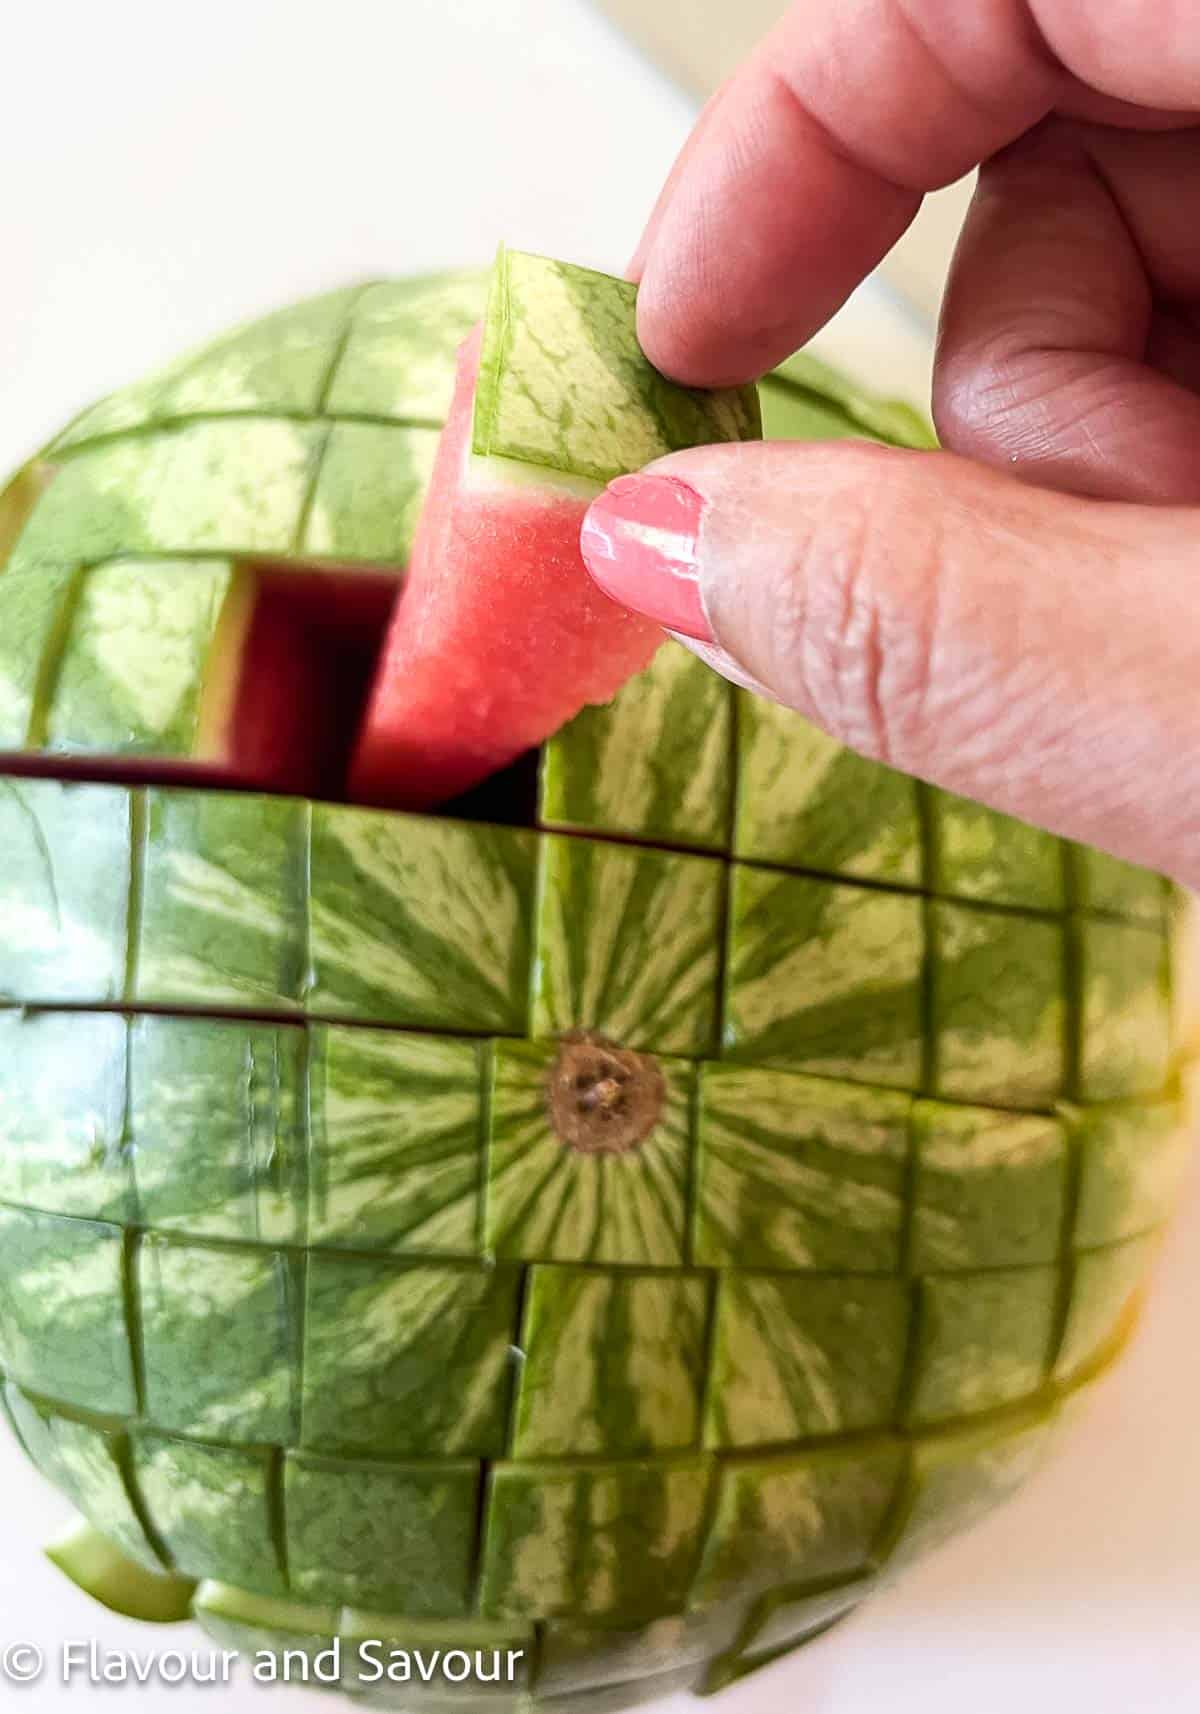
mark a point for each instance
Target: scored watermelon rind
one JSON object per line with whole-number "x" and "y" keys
{"x": 564, "y": 385}
{"x": 337, "y": 1006}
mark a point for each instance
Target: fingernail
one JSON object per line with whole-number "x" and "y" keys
{"x": 639, "y": 542}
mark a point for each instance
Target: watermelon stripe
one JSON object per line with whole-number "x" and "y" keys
{"x": 1124, "y": 1261}
{"x": 767, "y": 1355}
{"x": 653, "y": 764}
{"x": 362, "y": 419}
{"x": 50, "y": 662}
{"x": 541, "y": 316}
{"x": 274, "y": 364}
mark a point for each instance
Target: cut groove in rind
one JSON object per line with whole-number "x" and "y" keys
{"x": 236, "y": 673}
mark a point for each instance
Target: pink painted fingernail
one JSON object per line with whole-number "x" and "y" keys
{"x": 639, "y": 542}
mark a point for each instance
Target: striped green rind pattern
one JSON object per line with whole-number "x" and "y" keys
{"x": 545, "y": 1203}
{"x": 395, "y": 1159}
{"x": 613, "y": 1362}
{"x": 217, "y": 1329}
{"x": 824, "y": 977}
{"x": 989, "y": 1188}
{"x": 129, "y": 550}
{"x": 64, "y": 890}
{"x": 274, "y": 366}
{"x": 375, "y": 1330}
{"x": 999, "y": 1006}
{"x": 63, "y": 1330}
{"x": 212, "y": 1508}
{"x": 1125, "y": 1003}
{"x": 605, "y": 1542}
{"x": 138, "y": 650}
{"x": 368, "y": 496}
{"x": 220, "y": 901}
{"x": 804, "y": 801}
{"x": 398, "y": 361}
{"x": 564, "y": 384}
{"x": 980, "y": 854}
{"x": 822, "y": 1510}
{"x": 398, "y": 1537}
{"x": 236, "y": 1094}
{"x": 799, "y": 1173}
{"x": 983, "y": 1341}
{"x": 62, "y": 1115}
{"x": 653, "y": 764}
{"x": 799, "y": 1357}
{"x": 91, "y": 1465}
{"x": 418, "y": 921}
{"x": 1117, "y": 888}
{"x": 299, "y": 1289}
{"x": 234, "y": 488}
{"x": 589, "y": 966}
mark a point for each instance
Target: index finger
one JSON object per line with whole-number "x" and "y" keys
{"x": 820, "y": 149}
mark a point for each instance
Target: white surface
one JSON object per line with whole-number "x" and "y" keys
{"x": 169, "y": 169}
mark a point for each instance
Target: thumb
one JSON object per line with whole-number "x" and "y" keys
{"x": 1036, "y": 652}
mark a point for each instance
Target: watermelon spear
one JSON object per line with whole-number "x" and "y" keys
{"x": 500, "y": 636}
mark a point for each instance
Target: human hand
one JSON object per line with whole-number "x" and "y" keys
{"x": 1026, "y": 634}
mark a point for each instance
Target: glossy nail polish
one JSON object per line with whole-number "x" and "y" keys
{"x": 639, "y": 542}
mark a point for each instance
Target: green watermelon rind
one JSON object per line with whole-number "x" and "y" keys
{"x": 335, "y": 1005}
{"x": 564, "y": 386}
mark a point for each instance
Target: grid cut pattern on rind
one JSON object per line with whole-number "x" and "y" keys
{"x": 913, "y": 1274}
{"x": 305, "y": 438}
{"x": 904, "y": 1273}
{"x": 577, "y": 1407}
{"x": 234, "y": 903}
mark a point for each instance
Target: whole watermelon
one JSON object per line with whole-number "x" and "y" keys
{"x": 597, "y": 1235}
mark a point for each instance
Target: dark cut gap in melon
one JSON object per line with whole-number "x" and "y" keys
{"x": 305, "y": 676}
{"x": 508, "y": 798}
{"x": 290, "y": 662}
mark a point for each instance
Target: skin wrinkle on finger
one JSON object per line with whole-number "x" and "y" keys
{"x": 896, "y": 93}
{"x": 1029, "y": 650}
{"x": 726, "y": 246}
{"x": 1042, "y": 361}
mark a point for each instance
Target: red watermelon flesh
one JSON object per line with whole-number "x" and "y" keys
{"x": 499, "y": 637}
{"x": 303, "y": 677}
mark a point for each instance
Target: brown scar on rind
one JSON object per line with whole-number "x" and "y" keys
{"x": 602, "y": 1099}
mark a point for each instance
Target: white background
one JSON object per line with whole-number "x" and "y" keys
{"x": 168, "y": 169}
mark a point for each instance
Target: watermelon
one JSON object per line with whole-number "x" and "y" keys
{"x": 197, "y": 571}
{"x": 610, "y": 1238}
{"x": 553, "y": 399}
